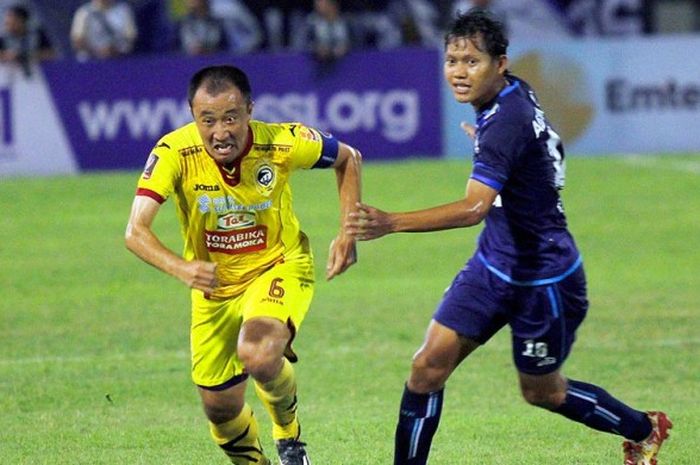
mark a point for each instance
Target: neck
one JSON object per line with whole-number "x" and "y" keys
{"x": 498, "y": 87}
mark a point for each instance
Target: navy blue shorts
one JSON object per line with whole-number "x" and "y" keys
{"x": 543, "y": 319}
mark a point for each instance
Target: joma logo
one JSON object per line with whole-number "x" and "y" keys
{"x": 205, "y": 187}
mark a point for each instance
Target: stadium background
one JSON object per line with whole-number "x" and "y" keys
{"x": 631, "y": 93}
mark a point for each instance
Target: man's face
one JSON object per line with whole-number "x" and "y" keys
{"x": 14, "y": 25}
{"x": 197, "y": 5}
{"x": 474, "y": 76}
{"x": 222, "y": 121}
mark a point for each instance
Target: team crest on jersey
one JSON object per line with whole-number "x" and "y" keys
{"x": 265, "y": 178}
{"x": 150, "y": 166}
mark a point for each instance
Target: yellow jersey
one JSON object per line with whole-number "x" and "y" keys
{"x": 239, "y": 217}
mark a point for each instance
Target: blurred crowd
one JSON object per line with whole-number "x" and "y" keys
{"x": 102, "y": 29}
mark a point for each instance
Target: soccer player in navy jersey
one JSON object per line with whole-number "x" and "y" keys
{"x": 526, "y": 271}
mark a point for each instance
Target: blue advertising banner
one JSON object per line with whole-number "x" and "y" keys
{"x": 603, "y": 97}
{"x": 387, "y": 105}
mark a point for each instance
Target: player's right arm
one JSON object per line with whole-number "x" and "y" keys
{"x": 142, "y": 241}
{"x": 371, "y": 223}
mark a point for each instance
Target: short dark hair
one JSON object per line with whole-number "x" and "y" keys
{"x": 217, "y": 79}
{"x": 479, "y": 23}
{"x": 19, "y": 11}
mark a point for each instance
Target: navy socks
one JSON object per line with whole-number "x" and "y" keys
{"x": 594, "y": 407}
{"x": 418, "y": 421}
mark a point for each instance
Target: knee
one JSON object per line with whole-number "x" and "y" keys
{"x": 543, "y": 398}
{"x": 219, "y": 412}
{"x": 428, "y": 373}
{"x": 261, "y": 347}
{"x": 263, "y": 365}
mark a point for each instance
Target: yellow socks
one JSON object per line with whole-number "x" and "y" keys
{"x": 238, "y": 438}
{"x": 279, "y": 397}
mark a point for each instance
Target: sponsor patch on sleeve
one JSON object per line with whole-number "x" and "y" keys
{"x": 309, "y": 134}
{"x": 150, "y": 166}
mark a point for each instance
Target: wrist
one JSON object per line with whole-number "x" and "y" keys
{"x": 394, "y": 224}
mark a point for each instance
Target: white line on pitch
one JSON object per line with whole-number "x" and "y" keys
{"x": 88, "y": 358}
{"x": 183, "y": 355}
{"x": 685, "y": 166}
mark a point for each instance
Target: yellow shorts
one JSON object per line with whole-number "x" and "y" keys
{"x": 283, "y": 292}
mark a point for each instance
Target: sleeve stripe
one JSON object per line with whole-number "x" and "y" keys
{"x": 488, "y": 181}
{"x": 329, "y": 152}
{"x": 149, "y": 193}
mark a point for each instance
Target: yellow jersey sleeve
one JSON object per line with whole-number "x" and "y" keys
{"x": 163, "y": 170}
{"x": 311, "y": 148}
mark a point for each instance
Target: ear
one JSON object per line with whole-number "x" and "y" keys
{"x": 503, "y": 64}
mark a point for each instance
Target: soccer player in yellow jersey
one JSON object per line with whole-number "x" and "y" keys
{"x": 248, "y": 263}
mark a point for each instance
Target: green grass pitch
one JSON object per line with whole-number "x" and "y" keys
{"x": 94, "y": 365}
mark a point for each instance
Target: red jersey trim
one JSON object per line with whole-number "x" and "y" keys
{"x": 232, "y": 179}
{"x": 149, "y": 193}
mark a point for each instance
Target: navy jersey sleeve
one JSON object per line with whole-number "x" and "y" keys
{"x": 497, "y": 151}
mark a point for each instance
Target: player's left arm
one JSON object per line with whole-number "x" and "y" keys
{"x": 348, "y": 170}
{"x": 371, "y": 223}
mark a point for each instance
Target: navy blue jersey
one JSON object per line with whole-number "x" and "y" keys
{"x": 516, "y": 151}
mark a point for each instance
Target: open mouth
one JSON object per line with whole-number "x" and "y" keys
{"x": 223, "y": 148}
{"x": 461, "y": 88}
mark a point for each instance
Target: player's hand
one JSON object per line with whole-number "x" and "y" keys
{"x": 341, "y": 255}
{"x": 200, "y": 275}
{"x": 367, "y": 223}
{"x": 468, "y": 129}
